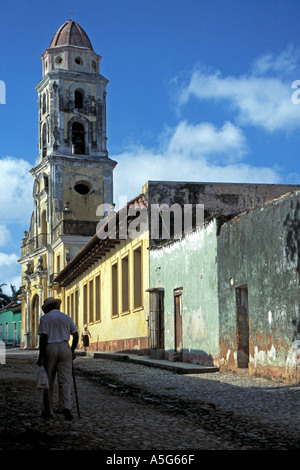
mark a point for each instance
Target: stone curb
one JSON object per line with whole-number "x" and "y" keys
{"x": 179, "y": 367}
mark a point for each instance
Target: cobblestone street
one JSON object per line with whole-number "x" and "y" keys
{"x": 130, "y": 406}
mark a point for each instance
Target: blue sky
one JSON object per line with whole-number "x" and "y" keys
{"x": 198, "y": 91}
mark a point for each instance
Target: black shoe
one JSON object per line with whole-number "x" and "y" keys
{"x": 67, "y": 414}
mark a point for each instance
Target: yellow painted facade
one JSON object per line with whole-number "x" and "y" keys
{"x": 110, "y": 298}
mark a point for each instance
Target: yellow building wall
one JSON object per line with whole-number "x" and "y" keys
{"x": 35, "y": 292}
{"x": 114, "y": 326}
{"x": 35, "y": 282}
{"x": 58, "y": 259}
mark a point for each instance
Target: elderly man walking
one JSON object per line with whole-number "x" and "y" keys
{"x": 56, "y": 355}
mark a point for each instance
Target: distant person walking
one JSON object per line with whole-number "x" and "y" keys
{"x": 56, "y": 355}
{"x": 85, "y": 336}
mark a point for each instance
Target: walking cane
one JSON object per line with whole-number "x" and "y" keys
{"x": 75, "y": 388}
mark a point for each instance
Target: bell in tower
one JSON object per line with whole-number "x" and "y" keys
{"x": 78, "y": 138}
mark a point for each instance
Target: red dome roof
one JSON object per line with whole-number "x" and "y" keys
{"x": 71, "y": 34}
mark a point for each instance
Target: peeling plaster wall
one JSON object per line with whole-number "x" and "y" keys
{"x": 173, "y": 266}
{"x": 260, "y": 249}
{"x": 219, "y": 199}
{"x": 190, "y": 263}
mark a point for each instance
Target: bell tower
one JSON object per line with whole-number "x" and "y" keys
{"x": 72, "y": 132}
{"x": 73, "y": 174}
{"x": 72, "y": 97}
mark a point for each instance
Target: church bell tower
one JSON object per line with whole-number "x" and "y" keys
{"x": 73, "y": 174}
{"x": 72, "y": 131}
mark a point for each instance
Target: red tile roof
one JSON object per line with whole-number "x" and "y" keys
{"x": 71, "y": 34}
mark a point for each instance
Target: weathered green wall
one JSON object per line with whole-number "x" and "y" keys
{"x": 190, "y": 264}
{"x": 261, "y": 249}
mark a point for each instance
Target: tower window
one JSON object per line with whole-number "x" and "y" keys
{"x": 44, "y": 228}
{"x": 78, "y": 99}
{"x": 82, "y": 187}
{"x": 58, "y": 263}
{"x": 58, "y": 59}
{"x": 44, "y": 107}
{"x": 79, "y": 61}
{"x": 78, "y": 145}
{"x": 44, "y": 141}
{"x": 46, "y": 183}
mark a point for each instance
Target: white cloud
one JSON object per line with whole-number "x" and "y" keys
{"x": 4, "y": 235}
{"x": 15, "y": 191}
{"x": 16, "y": 206}
{"x": 205, "y": 139}
{"x": 7, "y": 259}
{"x": 283, "y": 64}
{"x": 14, "y": 281}
{"x": 187, "y": 155}
{"x": 263, "y": 97}
{"x": 10, "y": 272}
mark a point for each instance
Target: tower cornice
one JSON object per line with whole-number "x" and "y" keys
{"x": 70, "y": 75}
{"x": 88, "y": 161}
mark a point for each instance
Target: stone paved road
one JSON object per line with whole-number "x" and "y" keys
{"x": 129, "y": 406}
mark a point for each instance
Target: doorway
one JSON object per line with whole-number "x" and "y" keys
{"x": 157, "y": 327}
{"x": 34, "y": 320}
{"x": 178, "y": 345}
{"x": 242, "y": 326}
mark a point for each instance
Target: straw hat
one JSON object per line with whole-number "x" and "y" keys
{"x": 51, "y": 300}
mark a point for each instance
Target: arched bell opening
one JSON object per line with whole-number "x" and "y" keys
{"x": 78, "y": 138}
{"x": 44, "y": 140}
{"x": 78, "y": 98}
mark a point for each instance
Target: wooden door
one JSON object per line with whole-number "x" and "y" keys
{"x": 178, "y": 346}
